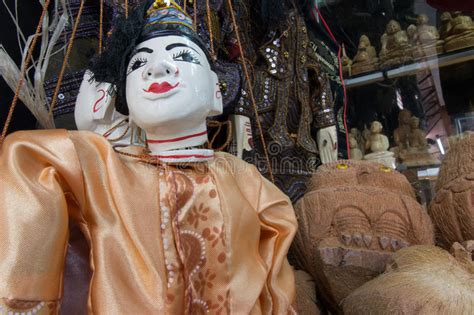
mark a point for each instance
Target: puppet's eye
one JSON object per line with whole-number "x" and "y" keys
{"x": 136, "y": 64}
{"x": 186, "y": 56}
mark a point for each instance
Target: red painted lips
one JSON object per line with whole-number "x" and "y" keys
{"x": 159, "y": 88}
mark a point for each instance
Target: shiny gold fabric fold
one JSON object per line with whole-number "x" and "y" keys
{"x": 164, "y": 240}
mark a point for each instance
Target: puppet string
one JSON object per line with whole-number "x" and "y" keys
{"x": 111, "y": 130}
{"x": 250, "y": 88}
{"x": 339, "y": 57}
{"x": 195, "y": 14}
{"x": 65, "y": 60}
{"x": 218, "y": 125}
{"x": 209, "y": 25}
{"x": 23, "y": 71}
{"x": 126, "y": 8}
{"x": 101, "y": 25}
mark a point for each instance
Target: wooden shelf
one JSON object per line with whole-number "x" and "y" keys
{"x": 439, "y": 61}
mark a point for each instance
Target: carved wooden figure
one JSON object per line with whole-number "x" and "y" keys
{"x": 356, "y": 215}
{"x": 366, "y": 58}
{"x": 420, "y": 280}
{"x": 395, "y": 46}
{"x": 459, "y": 31}
{"x": 452, "y": 210}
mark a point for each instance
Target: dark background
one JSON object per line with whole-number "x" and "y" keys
{"x": 29, "y": 13}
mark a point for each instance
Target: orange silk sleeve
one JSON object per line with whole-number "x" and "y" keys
{"x": 41, "y": 186}
{"x": 278, "y": 227}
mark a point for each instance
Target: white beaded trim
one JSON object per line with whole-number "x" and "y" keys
{"x": 165, "y": 222}
{"x": 203, "y": 304}
{"x": 203, "y": 249}
{"x": 35, "y": 310}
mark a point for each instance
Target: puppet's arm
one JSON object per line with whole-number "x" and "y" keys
{"x": 278, "y": 227}
{"x": 39, "y": 188}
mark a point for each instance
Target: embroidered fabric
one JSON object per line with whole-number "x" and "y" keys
{"x": 294, "y": 100}
{"x": 163, "y": 238}
{"x": 23, "y": 307}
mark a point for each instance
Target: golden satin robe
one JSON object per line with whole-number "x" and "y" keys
{"x": 164, "y": 240}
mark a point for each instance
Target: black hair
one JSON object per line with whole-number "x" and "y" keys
{"x": 111, "y": 65}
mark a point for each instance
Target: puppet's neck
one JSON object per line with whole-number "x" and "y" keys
{"x": 162, "y": 141}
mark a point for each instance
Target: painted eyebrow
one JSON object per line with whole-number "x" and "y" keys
{"x": 172, "y": 46}
{"x": 143, "y": 49}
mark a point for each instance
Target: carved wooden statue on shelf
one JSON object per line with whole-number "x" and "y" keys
{"x": 420, "y": 280}
{"x": 424, "y": 38}
{"x": 395, "y": 48}
{"x": 417, "y": 154}
{"x": 346, "y": 63}
{"x": 446, "y": 25}
{"x": 356, "y": 152}
{"x": 452, "y": 209}
{"x": 377, "y": 143}
{"x": 402, "y": 133}
{"x": 412, "y": 146}
{"x": 343, "y": 241}
{"x": 357, "y": 134}
{"x": 366, "y": 58}
{"x": 458, "y": 30}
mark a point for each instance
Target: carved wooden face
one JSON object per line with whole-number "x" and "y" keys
{"x": 414, "y": 123}
{"x": 376, "y": 127}
{"x": 364, "y": 42}
{"x": 353, "y": 221}
{"x": 422, "y": 19}
{"x": 170, "y": 84}
{"x": 446, "y": 17}
{"x": 393, "y": 27}
{"x": 404, "y": 117}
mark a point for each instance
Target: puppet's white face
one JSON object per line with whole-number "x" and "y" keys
{"x": 170, "y": 85}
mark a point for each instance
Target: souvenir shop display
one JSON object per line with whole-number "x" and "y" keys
{"x": 237, "y": 157}
{"x": 208, "y": 241}
{"x": 353, "y": 218}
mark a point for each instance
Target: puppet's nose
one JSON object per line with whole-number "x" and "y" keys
{"x": 160, "y": 69}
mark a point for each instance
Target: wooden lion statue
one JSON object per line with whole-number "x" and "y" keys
{"x": 351, "y": 221}
{"x": 452, "y": 210}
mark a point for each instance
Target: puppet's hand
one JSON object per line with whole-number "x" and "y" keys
{"x": 327, "y": 144}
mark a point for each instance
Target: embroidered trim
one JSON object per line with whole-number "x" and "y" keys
{"x": 178, "y": 139}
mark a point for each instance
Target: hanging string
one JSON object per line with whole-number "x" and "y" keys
{"x": 218, "y": 125}
{"x": 101, "y": 25}
{"x": 339, "y": 57}
{"x": 115, "y": 127}
{"x": 250, "y": 89}
{"x": 126, "y": 9}
{"x": 195, "y": 14}
{"x": 23, "y": 71}
{"x": 65, "y": 60}
{"x": 185, "y": 2}
{"x": 209, "y": 25}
